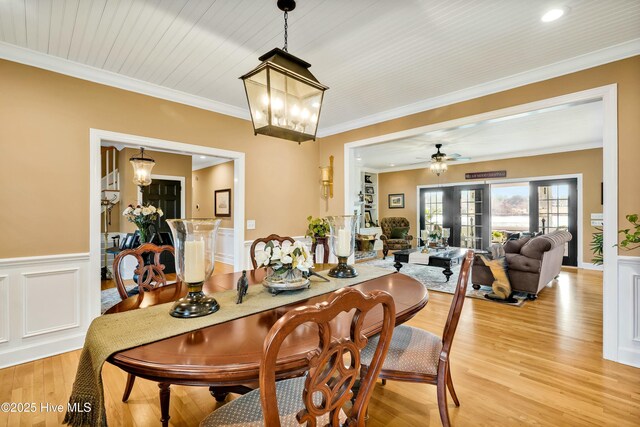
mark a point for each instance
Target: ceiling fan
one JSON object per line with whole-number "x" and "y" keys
{"x": 439, "y": 160}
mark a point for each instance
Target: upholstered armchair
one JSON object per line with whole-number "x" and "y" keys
{"x": 395, "y": 234}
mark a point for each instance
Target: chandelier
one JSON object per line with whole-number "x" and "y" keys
{"x": 284, "y": 98}
{"x": 142, "y": 168}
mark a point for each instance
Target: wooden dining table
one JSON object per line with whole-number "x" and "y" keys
{"x": 226, "y": 357}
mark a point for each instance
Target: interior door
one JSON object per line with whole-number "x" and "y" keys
{"x": 553, "y": 205}
{"x": 166, "y": 195}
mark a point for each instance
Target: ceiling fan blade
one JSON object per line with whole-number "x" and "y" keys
{"x": 457, "y": 159}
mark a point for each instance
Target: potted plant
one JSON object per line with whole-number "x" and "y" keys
{"x": 318, "y": 227}
{"x": 630, "y": 242}
{"x": 497, "y": 236}
{"x": 631, "y": 239}
{"x": 285, "y": 264}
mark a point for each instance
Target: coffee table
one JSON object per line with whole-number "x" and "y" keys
{"x": 443, "y": 258}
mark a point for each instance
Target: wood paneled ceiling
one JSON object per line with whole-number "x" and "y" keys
{"x": 376, "y": 56}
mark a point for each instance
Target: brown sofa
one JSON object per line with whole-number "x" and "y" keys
{"x": 531, "y": 263}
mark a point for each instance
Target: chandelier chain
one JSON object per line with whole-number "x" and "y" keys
{"x": 286, "y": 28}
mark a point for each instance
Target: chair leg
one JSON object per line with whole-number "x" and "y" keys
{"x": 384, "y": 382}
{"x": 127, "y": 388}
{"x": 451, "y": 389}
{"x": 442, "y": 395}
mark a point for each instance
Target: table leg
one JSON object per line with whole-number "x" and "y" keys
{"x": 447, "y": 272}
{"x": 165, "y": 397}
{"x": 398, "y": 266}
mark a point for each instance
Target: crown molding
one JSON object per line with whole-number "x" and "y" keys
{"x": 56, "y": 64}
{"x": 572, "y": 65}
{"x": 86, "y": 72}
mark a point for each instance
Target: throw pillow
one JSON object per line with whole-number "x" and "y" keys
{"x": 399, "y": 232}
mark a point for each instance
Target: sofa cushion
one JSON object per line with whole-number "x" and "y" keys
{"x": 399, "y": 232}
{"x": 523, "y": 263}
{"x": 398, "y": 242}
{"x": 537, "y": 246}
{"x": 514, "y": 246}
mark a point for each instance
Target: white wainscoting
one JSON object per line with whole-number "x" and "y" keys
{"x": 224, "y": 245}
{"x": 43, "y": 306}
{"x": 629, "y": 310}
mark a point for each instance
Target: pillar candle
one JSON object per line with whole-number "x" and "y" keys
{"x": 343, "y": 245}
{"x": 194, "y": 261}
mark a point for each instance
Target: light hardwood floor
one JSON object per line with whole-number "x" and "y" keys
{"x": 537, "y": 365}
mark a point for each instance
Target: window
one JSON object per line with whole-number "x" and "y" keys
{"x": 509, "y": 208}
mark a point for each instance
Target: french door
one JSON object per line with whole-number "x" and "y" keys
{"x": 464, "y": 210}
{"x": 553, "y": 205}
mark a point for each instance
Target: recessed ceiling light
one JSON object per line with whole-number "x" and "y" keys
{"x": 203, "y": 157}
{"x": 392, "y": 164}
{"x": 358, "y": 158}
{"x": 553, "y": 14}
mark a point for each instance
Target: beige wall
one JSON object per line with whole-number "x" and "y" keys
{"x": 625, "y": 73}
{"x": 586, "y": 162}
{"x": 45, "y": 120}
{"x": 205, "y": 182}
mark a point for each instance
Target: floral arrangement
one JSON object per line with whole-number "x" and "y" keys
{"x": 283, "y": 259}
{"x": 143, "y": 217}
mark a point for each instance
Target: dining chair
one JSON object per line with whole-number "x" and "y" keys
{"x": 150, "y": 275}
{"x": 416, "y": 355}
{"x": 270, "y": 238}
{"x": 318, "y": 397}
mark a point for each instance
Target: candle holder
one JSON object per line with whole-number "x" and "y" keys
{"x": 342, "y": 241}
{"x": 195, "y": 247}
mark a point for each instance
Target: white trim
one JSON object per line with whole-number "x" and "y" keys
{"x": 567, "y": 66}
{"x": 608, "y": 95}
{"x": 42, "y": 349}
{"x": 82, "y": 71}
{"x": 39, "y": 260}
{"x": 76, "y": 302}
{"x": 120, "y": 81}
{"x": 512, "y": 155}
{"x": 590, "y": 266}
{"x": 183, "y": 191}
{"x": 97, "y": 137}
{"x": 4, "y": 307}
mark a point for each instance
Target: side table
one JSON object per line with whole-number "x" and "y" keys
{"x": 324, "y": 241}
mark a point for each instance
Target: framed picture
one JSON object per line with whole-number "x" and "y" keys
{"x": 368, "y": 198}
{"x": 396, "y": 201}
{"x": 368, "y": 189}
{"x": 367, "y": 217}
{"x": 222, "y": 202}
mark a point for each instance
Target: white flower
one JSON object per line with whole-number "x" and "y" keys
{"x": 146, "y": 211}
{"x": 159, "y": 211}
{"x": 287, "y": 259}
{"x": 137, "y": 211}
{"x": 277, "y": 253}
{"x": 262, "y": 258}
{"x": 127, "y": 211}
{"x": 152, "y": 209}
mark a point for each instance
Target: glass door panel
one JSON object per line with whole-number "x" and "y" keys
{"x": 554, "y": 206}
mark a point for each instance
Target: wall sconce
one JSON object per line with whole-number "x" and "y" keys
{"x": 327, "y": 180}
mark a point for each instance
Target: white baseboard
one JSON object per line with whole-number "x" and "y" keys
{"x": 41, "y": 350}
{"x": 591, "y": 266}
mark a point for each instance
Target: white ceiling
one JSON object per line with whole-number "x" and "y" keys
{"x": 551, "y": 130}
{"x": 380, "y": 58}
{"x": 201, "y": 162}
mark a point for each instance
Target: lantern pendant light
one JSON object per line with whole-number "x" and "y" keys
{"x": 438, "y": 162}
{"x": 142, "y": 168}
{"x": 284, "y": 98}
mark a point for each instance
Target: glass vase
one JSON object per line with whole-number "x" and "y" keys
{"x": 195, "y": 248}
{"x": 342, "y": 241}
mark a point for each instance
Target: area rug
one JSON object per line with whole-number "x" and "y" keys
{"x": 364, "y": 255}
{"x": 110, "y": 297}
{"x": 433, "y": 279}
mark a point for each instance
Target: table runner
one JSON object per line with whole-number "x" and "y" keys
{"x": 112, "y": 333}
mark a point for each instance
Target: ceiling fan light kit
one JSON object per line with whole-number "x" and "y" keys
{"x": 438, "y": 162}
{"x": 284, "y": 98}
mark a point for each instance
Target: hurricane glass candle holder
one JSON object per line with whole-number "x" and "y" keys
{"x": 195, "y": 248}
{"x": 342, "y": 241}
